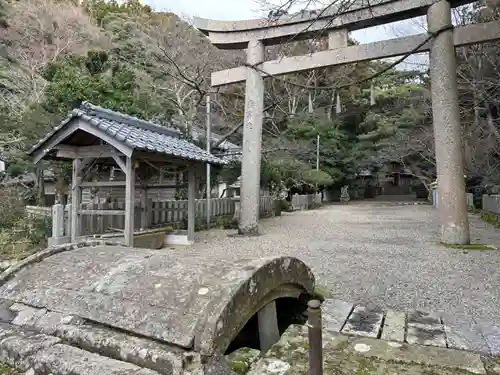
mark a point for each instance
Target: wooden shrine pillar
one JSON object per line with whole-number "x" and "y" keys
{"x": 129, "y": 201}
{"x": 76, "y": 199}
{"x": 191, "y": 203}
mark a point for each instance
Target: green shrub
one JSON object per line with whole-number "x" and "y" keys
{"x": 285, "y": 205}
{"x": 11, "y": 207}
{"x": 491, "y": 218}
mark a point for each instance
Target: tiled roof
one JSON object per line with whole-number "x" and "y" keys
{"x": 135, "y": 133}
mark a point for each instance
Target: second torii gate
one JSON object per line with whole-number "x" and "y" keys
{"x": 441, "y": 41}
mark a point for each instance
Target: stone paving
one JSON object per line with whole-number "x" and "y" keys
{"x": 380, "y": 256}
{"x": 411, "y": 327}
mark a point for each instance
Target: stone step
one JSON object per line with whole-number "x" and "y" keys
{"x": 412, "y": 327}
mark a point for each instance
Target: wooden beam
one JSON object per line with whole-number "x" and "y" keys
{"x": 102, "y": 212}
{"x": 129, "y": 202}
{"x": 120, "y": 163}
{"x": 98, "y": 151}
{"x": 102, "y": 183}
{"x": 123, "y": 183}
{"x": 162, "y": 158}
{"x": 75, "y": 200}
{"x": 463, "y": 35}
{"x": 53, "y": 141}
{"x": 124, "y": 149}
{"x": 313, "y": 24}
{"x": 84, "y": 164}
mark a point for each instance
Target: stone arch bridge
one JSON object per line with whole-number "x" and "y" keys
{"x": 101, "y": 308}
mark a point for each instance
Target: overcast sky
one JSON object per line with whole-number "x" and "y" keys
{"x": 232, "y": 10}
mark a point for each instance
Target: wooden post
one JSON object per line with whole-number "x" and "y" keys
{"x": 144, "y": 209}
{"x": 191, "y": 203}
{"x": 209, "y": 150}
{"x": 315, "y": 338}
{"x": 129, "y": 202}
{"x": 76, "y": 195}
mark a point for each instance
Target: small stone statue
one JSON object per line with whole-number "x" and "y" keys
{"x": 344, "y": 195}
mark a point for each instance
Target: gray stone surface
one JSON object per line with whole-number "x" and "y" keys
{"x": 334, "y": 314}
{"x": 120, "y": 346}
{"x": 423, "y": 317}
{"x": 394, "y": 326}
{"x": 364, "y": 322}
{"x": 28, "y": 316}
{"x": 49, "y": 322}
{"x": 150, "y": 294}
{"x": 464, "y": 334}
{"x": 425, "y": 328}
{"x": 431, "y": 335}
{"x": 63, "y": 359}
{"x": 376, "y": 254}
{"x": 491, "y": 335}
{"x": 17, "y": 345}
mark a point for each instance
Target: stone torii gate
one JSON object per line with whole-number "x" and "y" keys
{"x": 441, "y": 41}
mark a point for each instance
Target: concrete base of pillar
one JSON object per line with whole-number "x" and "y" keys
{"x": 249, "y": 231}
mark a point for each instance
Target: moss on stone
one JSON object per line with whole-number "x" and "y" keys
{"x": 240, "y": 367}
{"x": 6, "y": 370}
{"x": 472, "y": 246}
{"x": 342, "y": 358}
{"x": 491, "y": 218}
{"x": 322, "y": 292}
{"x": 240, "y": 360}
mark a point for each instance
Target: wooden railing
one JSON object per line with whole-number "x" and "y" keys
{"x": 100, "y": 218}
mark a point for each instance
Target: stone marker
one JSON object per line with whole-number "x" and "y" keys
{"x": 119, "y": 310}
{"x": 363, "y": 322}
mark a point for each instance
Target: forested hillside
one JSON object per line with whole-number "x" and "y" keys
{"x": 55, "y": 54}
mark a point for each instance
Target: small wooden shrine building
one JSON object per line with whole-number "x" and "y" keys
{"x": 92, "y": 136}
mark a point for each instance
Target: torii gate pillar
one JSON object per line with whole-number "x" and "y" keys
{"x": 252, "y": 140}
{"x": 452, "y": 208}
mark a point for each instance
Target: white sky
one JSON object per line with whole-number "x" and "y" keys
{"x": 232, "y": 10}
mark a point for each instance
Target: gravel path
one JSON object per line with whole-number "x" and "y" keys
{"x": 377, "y": 254}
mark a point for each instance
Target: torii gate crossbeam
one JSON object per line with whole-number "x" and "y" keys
{"x": 254, "y": 35}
